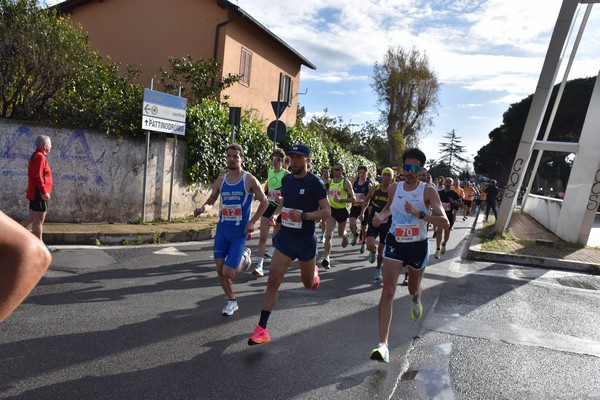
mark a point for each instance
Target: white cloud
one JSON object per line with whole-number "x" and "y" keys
{"x": 331, "y": 76}
{"x": 508, "y": 99}
{"x": 468, "y": 41}
{"x": 470, "y": 105}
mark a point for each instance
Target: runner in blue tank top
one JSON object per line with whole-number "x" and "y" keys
{"x": 411, "y": 204}
{"x": 237, "y": 189}
{"x": 304, "y": 202}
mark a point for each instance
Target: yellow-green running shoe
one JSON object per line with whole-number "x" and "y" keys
{"x": 381, "y": 353}
{"x": 416, "y": 311}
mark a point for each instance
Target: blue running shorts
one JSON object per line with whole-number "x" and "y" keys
{"x": 412, "y": 254}
{"x": 230, "y": 242}
{"x": 304, "y": 248}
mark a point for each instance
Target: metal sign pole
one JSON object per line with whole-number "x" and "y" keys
{"x": 146, "y": 167}
{"x": 173, "y": 165}
{"x": 277, "y": 114}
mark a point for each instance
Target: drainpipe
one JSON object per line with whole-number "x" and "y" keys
{"x": 217, "y": 31}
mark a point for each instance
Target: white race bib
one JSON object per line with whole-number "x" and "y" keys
{"x": 286, "y": 219}
{"x": 231, "y": 212}
{"x": 335, "y": 192}
{"x": 446, "y": 206}
{"x": 360, "y": 197}
{"x": 407, "y": 232}
{"x": 273, "y": 195}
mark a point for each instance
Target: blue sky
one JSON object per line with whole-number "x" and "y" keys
{"x": 487, "y": 54}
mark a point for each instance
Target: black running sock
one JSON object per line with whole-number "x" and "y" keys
{"x": 264, "y": 317}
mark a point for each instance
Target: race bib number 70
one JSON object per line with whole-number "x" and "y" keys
{"x": 406, "y": 232}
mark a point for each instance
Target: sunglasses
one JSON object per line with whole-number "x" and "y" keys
{"x": 411, "y": 168}
{"x": 337, "y": 169}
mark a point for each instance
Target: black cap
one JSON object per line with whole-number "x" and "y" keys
{"x": 299, "y": 149}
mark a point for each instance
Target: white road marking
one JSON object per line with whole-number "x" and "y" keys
{"x": 510, "y": 333}
{"x": 171, "y": 251}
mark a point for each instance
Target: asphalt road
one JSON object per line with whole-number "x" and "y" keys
{"x": 145, "y": 323}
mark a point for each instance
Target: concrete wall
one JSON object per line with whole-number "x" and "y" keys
{"x": 97, "y": 178}
{"x": 544, "y": 210}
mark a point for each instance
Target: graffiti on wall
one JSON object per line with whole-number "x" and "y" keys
{"x": 76, "y": 150}
{"x": 11, "y": 151}
{"x": 513, "y": 180}
{"x": 594, "y": 199}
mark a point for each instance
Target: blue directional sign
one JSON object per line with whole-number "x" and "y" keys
{"x": 163, "y": 112}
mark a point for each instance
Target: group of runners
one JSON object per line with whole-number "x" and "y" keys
{"x": 395, "y": 211}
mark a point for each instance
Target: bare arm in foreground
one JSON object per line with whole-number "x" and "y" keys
{"x": 23, "y": 261}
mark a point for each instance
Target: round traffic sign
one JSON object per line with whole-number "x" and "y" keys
{"x": 277, "y": 128}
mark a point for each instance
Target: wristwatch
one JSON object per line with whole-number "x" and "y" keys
{"x": 422, "y": 214}
{"x": 303, "y": 216}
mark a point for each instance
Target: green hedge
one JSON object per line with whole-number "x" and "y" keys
{"x": 208, "y": 135}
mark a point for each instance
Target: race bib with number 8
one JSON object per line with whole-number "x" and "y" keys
{"x": 273, "y": 195}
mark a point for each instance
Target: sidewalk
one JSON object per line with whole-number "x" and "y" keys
{"x": 535, "y": 246}
{"x": 202, "y": 228}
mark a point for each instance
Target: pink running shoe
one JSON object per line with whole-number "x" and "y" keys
{"x": 317, "y": 279}
{"x": 260, "y": 335}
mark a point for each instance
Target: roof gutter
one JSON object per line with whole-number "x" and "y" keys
{"x": 244, "y": 15}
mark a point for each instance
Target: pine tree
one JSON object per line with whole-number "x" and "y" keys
{"x": 451, "y": 153}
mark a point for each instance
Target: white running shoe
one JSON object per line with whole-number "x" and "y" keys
{"x": 269, "y": 252}
{"x": 258, "y": 270}
{"x": 230, "y": 307}
{"x": 247, "y": 260}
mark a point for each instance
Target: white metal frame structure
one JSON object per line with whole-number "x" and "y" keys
{"x": 582, "y": 195}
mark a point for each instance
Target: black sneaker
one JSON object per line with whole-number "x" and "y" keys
{"x": 325, "y": 263}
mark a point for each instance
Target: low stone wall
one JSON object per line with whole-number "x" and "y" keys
{"x": 545, "y": 210}
{"x": 97, "y": 178}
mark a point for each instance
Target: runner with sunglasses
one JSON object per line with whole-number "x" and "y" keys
{"x": 411, "y": 205}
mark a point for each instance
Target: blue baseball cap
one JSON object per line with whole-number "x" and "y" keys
{"x": 301, "y": 149}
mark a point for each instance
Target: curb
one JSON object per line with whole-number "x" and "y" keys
{"x": 109, "y": 239}
{"x": 475, "y": 253}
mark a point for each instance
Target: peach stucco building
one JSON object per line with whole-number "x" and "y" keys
{"x": 148, "y": 32}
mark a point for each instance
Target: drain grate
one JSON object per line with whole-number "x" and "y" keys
{"x": 578, "y": 283}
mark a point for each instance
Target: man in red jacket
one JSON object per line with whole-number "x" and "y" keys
{"x": 39, "y": 185}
